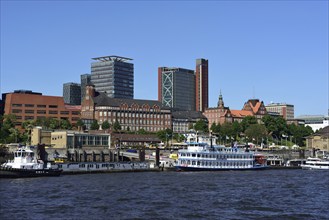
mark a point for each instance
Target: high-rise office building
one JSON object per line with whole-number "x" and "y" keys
{"x": 176, "y": 88}
{"x": 85, "y": 80}
{"x": 113, "y": 75}
{"x": 72, "y": 93}
{"x": 201, "y": 84}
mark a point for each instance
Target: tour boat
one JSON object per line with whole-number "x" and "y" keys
{"x": 202, "y": 157}
{"x": 316, "y": 164}
{"x": 25, "y": 164}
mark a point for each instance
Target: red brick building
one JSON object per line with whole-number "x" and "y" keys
{"x": 222, "y": 114}
{"x": 28, "y": 105}
{"x": 132, "y": 114}
{"x": 201, "y": 84}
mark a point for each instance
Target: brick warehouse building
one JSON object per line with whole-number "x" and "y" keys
{"x": 132, "y": 114}
{"x": 28, "y": 105}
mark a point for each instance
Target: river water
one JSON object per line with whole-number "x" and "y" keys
{"x": 268, "y": 194}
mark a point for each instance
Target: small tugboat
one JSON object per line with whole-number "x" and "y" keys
{"x": 25, "y": 164}
{"x": 202, "y": 157}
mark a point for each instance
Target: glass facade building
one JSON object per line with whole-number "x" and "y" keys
{"x": 113, "y": 75}
{"x": 177, "y": 87}
{"x": 72, "y": 93}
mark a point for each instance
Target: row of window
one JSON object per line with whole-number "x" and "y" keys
{"x": 32, "y": 106}
{"x": 41, "y": 112}
{"x": 134, "y": 115}
{"x": 218, "y": 156}
{"x": 140, "y": 121}
{"x": 216, "y": 164}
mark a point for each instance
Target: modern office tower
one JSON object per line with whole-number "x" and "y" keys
{"x": 85, "y": 80}
{"x": 113, "y": 75}
{"x": 201, "y": 84}
{"x": 176, "y": 88}
{"x": 285, "y": 110}
{"x": 72, "y": 93}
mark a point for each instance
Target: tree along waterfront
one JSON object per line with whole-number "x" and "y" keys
{"x": 270, "y": 129}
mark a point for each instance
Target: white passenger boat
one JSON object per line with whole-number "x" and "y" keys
{"x": 202, "y": 157}
{"x": 316, "y": 164}
{"x": 25, "y": 164}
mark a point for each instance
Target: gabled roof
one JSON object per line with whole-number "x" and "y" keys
{"x": 254, "y": 104}
{"x": 241, "y": 113}
{"x": 101, "y": 99}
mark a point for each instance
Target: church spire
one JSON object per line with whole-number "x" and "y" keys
{"x": 220, "y": 103}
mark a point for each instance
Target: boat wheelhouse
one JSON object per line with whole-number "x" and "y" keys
{"x": 201, "y": 157}
{"x": 316, "y": 164}
{"x": 25, "y": 164}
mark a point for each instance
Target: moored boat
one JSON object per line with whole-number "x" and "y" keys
{"x": 316, "y": 164}
{"x": 25, "y": 164}
{"x": 202, "y": 157}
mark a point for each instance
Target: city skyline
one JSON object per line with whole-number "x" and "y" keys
{"x": 273, "y": 51}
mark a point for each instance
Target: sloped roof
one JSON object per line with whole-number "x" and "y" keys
{"x": 188, "y": 115}
{"x": 254, "y": 104}
{"x": 241, "y": 113}
{"x": 101, "y": 99}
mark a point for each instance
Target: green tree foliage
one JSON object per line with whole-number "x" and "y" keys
{"x": 226, "y": 131}
{"x": 7, "y": 123}
{"x": 298, "y": 133}
{"x": 276, "y": 126}
{"x": 201, "y": 125}
{"x": 142, "y": 131}
{"x": 65, "y": 124}
{"x": 237, "y": 129}
{"x": 256, "y": 133}
{"x": 164, "y": 135}
{"x": 116, "y": 126}
{"x": 215, "y": 128}
{"x": 14, "y": 135}
{"x": 106, "y": 125}
{"x": 247, "y": 121}
{"x": 94, "y": 125}
{"x": 80, "y": 125}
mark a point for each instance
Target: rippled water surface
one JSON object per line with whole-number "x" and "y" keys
{"x": 270, "y": 194}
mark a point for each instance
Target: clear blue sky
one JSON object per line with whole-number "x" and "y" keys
{"x": 272, "y": 50}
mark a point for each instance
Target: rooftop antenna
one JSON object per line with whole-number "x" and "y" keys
{"x": 253, "y": 92}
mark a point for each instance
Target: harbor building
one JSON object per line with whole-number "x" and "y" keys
{"x": 182, "y": 121}
{"x": 85, "y": 80}
{"x": 176, "y": 88}
{"x": 131, "y": 114}
{"x": 28, "y": 105}
{"x": 222, "y": 114}
{"x": 319, "y": 140}
{"x": 114, "y": 76}
{"x": 316, "y": 122}
{"x": 201, "y": 84}
{"x": 72, "y": 93}
{"x": 285, "y": 110}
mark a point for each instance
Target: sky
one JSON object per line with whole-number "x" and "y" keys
{"x": 275, "y": 51}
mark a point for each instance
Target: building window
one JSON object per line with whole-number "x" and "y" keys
{"x": 16, "y": 111}
{"x": 29, "y": 118}
{"x": 75, "y": 113}
{"x": 42, "y": 112}
{"x": 29, "y": 111}
{"x": 53, "y": 112}
{"x": 53, "y": 106}
{"x": 64, "y": 112}
{"x": 16, "y": 105}
{"x": 29, "y": 105}
{"x": 41, "y": 106}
